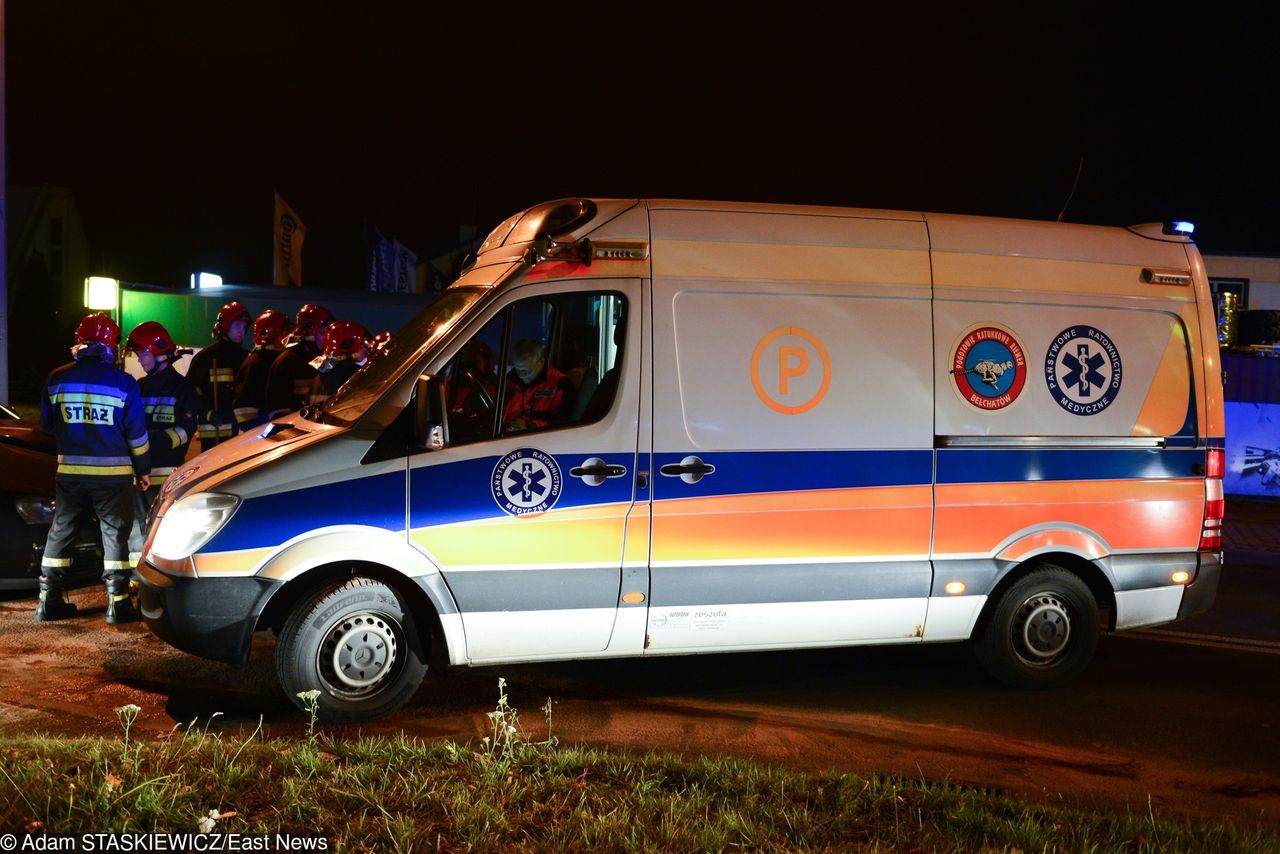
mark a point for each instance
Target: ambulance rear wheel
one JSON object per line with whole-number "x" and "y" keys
{"x": 355, "y": 643}
{"x": 1043, "y": 631}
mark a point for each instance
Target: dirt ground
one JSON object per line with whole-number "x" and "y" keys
{"x": 68, "y": 677}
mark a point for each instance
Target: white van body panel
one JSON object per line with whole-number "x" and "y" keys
{"x": 801, "y": 449}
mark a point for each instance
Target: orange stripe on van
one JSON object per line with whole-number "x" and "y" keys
{"x": 835, "y": 523}
{"x": 1126, "y": 514}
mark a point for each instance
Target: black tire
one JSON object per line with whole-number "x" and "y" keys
{"x": 1043, "y": 631}
{"x": 358, "y": 645}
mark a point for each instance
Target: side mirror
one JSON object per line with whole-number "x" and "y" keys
{"x": 428, "y": 409}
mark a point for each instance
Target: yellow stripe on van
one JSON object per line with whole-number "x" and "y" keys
{"x": 579, "y": 535}
{"x": 238, "y": 562}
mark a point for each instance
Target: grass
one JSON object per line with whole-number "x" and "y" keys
{"x": 511, "y": 794}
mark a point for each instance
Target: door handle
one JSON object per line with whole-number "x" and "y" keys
{"x": 595, "y": 471}
{"x": 691, "y": 469}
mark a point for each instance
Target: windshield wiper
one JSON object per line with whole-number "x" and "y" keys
{"x": 312, "y": 412}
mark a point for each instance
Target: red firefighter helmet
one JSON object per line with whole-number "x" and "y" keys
{"x": 98, "y": 327}
{"x": 311, "y": 319}
{"x": 229, "y": 314}
{"x": 151, "y": 335}
{"x": 270, "y": 328}
{"x": 343, "y": 338}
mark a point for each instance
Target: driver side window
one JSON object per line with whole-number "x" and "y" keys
{"x": 540, "y": 364}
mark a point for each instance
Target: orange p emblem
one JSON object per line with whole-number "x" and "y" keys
{"x": 792, "y": 362}
{"x": 799, "y": 386}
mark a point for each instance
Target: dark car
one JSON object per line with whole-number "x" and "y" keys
{"x": 28, "y": 460}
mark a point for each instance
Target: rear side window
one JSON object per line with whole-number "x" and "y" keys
{"x": 541, "y": 364}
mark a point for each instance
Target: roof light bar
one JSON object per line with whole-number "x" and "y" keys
{"x": 584, "y": 251}
{"x": 1180, "y": 226}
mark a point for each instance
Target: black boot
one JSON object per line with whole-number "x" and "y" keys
{"x": 120, "y": 607}
{"x": 51, "y": 605}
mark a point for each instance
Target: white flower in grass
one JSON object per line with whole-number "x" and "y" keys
{"x": 206, "y": 823}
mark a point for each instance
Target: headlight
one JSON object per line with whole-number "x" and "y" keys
{"x": 191, "y": 522}
{"x": 35, "y": 510}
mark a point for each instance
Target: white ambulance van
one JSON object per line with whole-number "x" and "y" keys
{"x": 638, "y": 427}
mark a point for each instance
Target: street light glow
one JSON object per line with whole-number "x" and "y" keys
{"x": 101, "y": 293}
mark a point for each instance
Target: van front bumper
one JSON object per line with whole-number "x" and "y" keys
{"x": 209, "y": 617}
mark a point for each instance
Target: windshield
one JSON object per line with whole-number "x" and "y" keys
{"x": 367, "y": 386}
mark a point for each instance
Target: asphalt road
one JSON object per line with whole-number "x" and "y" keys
{"x": 1180, "y": 719}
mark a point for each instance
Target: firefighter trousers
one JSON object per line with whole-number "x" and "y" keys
{"x": 113, "y": 504}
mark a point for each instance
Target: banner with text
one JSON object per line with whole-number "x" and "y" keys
{"x": 289, "y": 234}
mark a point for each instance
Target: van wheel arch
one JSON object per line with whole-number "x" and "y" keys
{"x": 299, "y": 589}
{"x": 1088, "y": 572}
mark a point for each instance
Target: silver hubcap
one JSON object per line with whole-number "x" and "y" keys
{"x": 1042, "y": 630}
{"x": 359, "y": 652}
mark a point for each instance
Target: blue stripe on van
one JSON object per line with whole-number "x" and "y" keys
{"x": 1020, "y": 465}
{"x": 453, "y": 492}
{"x": 460, "y": 491}
{"x": 744, "y": 472}
{"x": 270, "y": 520}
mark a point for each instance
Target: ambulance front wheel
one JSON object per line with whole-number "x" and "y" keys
{"x": 1043, "y": 631}
{"x": 357, "y": 645}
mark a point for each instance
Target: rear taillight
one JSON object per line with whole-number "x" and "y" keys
{"x": 1214, "y": 504}
{"x": 1216, "y": 463}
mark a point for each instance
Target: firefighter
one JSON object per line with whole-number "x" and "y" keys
{"x": 170, "y": 405}
{"x": 538, "y": 395}
{"x": 212, "y": 371}
{"x": 289, "y": 381}
{"x": 269, "y": 332}
{"x": 94, "y": 411}
{"x": 346, "y": 350}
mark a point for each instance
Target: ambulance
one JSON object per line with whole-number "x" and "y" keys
{"x": 646, "y": 427}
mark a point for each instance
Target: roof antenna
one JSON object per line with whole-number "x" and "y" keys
{"x": 1079, "y": 169}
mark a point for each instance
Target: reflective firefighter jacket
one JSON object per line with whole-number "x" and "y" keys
{"x": 251, "y": 386}
{"x": 289, "y": 383}
{"x": 212, "y": 372}
{"x": 94, "y": 411}
{"x": 170, "y": 403}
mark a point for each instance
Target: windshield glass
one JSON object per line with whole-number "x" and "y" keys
{"x": 368, "y": 385}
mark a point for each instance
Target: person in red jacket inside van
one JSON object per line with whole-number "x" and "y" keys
{"x": 538, "y": 395}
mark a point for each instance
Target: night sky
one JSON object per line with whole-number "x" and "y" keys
{"x": 174, "y": 122}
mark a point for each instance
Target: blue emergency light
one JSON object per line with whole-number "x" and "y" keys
{"x": 1180, "y": 227}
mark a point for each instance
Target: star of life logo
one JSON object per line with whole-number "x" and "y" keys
{"x": 989, "y": 368}
{"x": 1083, "y": 370}
{"x": 526, "y": 481}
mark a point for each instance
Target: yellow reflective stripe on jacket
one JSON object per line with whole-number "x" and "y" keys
{"x": 66, "y": 468}
{"x": 117, "y": 564}
{"x": 176, "y": 436}
{"x": 144, "y": 448}
{"x": 55, "y": 562}
{"x": 222, "y": 375}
